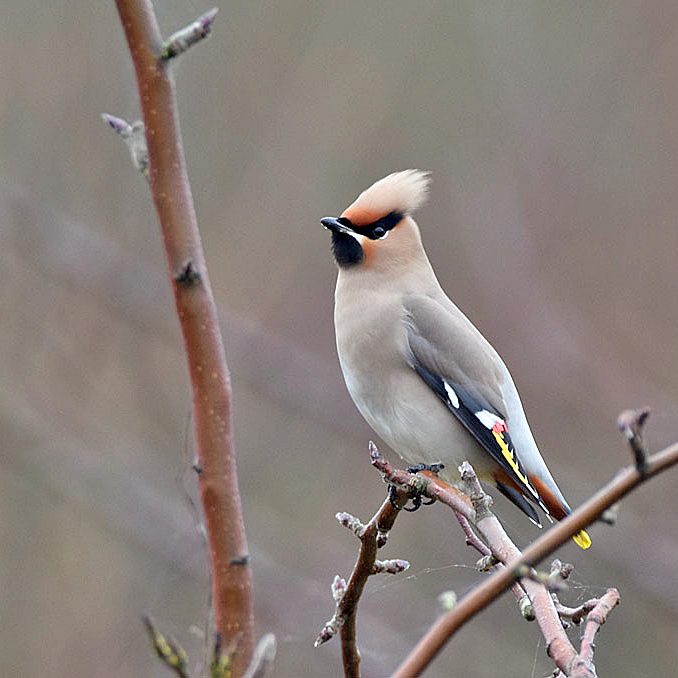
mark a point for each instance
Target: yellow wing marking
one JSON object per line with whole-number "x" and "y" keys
{"x": 581, "y": 539}
{"x": 510, "y": 458}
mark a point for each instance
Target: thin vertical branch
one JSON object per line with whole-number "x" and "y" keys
{"x": 210, "y": 379}
{"x": 348, "y": 606}
{"x": 372, "y": 537}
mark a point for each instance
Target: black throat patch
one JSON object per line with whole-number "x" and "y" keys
{"x": 346, "y": 249}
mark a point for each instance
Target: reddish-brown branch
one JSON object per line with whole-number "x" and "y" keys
{"x": 473, "y": 505}
{"x": 210, "y": 379}
{"x": 512, "y": 566}
{"x": 424, "y": 482}
{"x": 435, "y": 488}
{"x": 486, "y": 592}
{"x": 372, "y": 536}
{"x": 348, "y": 606}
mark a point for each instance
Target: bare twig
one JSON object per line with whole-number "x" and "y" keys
{"x": 186, "y": 37}
{"x": 443, "y": 629}
{"x": 472, "y": 539}
{"x": 583, "y": 667}
{"x": 574, "y": 614}
{"x": 509, "y": 564}
{"x": 134, "y": 137}
{"x": 558, "y": 645}
{"x": 210, "y": 379}
{"x": 533, "y": 598}
{"x": 372, "y": 536}
{"x": 435, "y": 488}
{"x": 631, "y": 423}
{"x": 425, "y": 483}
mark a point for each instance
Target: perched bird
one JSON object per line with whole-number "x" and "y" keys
{"x": 424, "y": 378}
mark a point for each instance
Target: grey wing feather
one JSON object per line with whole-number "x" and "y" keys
{"x": 458, "y": 364}
{"x": 437, "y": 336}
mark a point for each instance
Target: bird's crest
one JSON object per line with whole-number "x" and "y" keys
{"x": 401, "y": 192}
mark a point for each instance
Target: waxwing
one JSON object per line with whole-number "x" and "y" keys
{"x": 421, "y": 374}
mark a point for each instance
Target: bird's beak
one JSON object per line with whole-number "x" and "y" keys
{"x": 333, "y": 224}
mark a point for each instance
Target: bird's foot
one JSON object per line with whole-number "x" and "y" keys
{"x": 433, "y": 468}
{"x": 415, "y": 495}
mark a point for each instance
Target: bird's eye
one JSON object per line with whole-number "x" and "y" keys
{"x": 379, "y": 232}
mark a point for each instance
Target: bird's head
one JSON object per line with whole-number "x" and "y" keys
{"x": 376, "y": 230}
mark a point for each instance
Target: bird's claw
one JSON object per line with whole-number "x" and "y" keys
{"x": 414, "y": 495}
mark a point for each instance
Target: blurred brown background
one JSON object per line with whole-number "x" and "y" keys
{"x": 551, "y": 130}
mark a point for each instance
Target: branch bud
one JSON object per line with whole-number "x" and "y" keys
{"x": 338, "y": 588}
{"x": 350, "y": 522}
{"x": 394, "y": 566}
{"x": 186, "y": 37}
{"x": 447, "y": 600}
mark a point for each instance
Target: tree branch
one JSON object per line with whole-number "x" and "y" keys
{"x": 511, "y": 568}
{"x": 630, "y": 423}
{"x": 575, "y": 614}
{"x": 210, "y": 379}
{"x": 444, "y": 628}
{"x": 582, "y": 667}
{"x": 435, "y": 488}
{"x": 425, "y": 483}
{"x": 497, "y": 549}
{"x": 558, "y": 645}
{"x": 372, "y": 537}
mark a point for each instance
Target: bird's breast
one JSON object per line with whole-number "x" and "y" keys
{"x": 393, "y": 399}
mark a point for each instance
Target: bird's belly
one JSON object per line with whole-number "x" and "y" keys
{"x": 419, "y": 427}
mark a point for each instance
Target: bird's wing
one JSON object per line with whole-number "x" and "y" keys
{"x": 468, "y": 383}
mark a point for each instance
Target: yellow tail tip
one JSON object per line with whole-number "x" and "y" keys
{"x": 582, "y": 540}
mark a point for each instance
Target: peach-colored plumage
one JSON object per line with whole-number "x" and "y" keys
{"x": 398, "y": 192}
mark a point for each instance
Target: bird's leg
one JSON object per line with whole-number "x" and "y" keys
{"x": 415, "y": 495}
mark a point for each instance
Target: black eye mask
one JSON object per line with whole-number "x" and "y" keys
{"x": 377, "y": 229}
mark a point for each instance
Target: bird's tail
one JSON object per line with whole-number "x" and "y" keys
{"x": 559, "y": 509}
{"x": 582, "y": 539}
